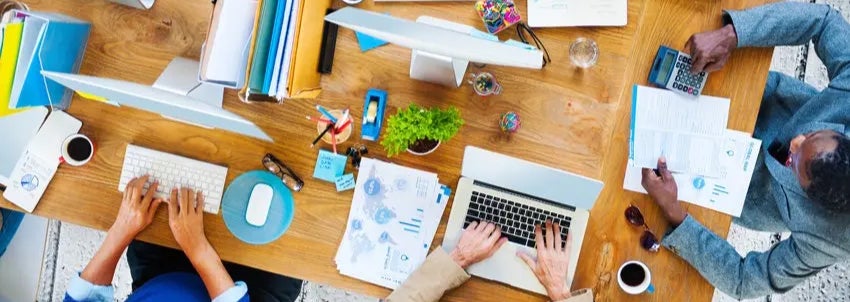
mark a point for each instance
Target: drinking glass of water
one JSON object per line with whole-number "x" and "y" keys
{"x": 584, "y": 52}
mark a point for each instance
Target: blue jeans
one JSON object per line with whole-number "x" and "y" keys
{"x": 11, "y": 221}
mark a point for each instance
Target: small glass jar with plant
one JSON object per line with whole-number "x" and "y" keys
{"x": 420, "y": 131}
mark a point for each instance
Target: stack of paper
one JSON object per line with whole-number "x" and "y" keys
{"x": 712, "y": 166}
{"x": 394, "y": 217}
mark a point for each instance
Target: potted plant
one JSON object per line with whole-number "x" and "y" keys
{"x": 420, "y": 131}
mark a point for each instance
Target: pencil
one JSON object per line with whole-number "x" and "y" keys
{"x": 328, "y": 128}
{"x": 326, "y": 113}
{"x": 333, "y": 140}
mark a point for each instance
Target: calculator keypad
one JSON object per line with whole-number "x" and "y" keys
{"x": 684, "y": 81}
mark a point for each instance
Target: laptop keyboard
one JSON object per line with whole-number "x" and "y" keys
{"x": 517, "y": 220}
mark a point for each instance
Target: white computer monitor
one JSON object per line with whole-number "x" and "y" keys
{"x": 197, "y": 104}
{"x": 441, "y": 49}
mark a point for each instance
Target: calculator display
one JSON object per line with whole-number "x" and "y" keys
{"x": 665, "y": 67}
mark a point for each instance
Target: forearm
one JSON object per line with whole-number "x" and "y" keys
{"x": 207, "y": 263}
{"x": 778, "y": 24}
{"x": 755, "y": 275}
{"x": 101, "y": 268}
{"x": 437, "y": 275}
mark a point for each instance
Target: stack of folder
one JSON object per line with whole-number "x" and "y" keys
{"x": 33, "y": 42}
{"x": 275, "y": 44}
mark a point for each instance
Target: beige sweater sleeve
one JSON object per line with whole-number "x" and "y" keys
{"x": 437, "y": 275}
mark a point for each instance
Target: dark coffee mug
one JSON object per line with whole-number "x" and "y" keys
{"x": 77, "y": 150}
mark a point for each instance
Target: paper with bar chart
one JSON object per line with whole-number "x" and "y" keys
{"x": 725, "y": 193}
{"x": 394, "y": 217}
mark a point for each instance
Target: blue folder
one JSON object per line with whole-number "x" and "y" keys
{"x": 281, "y": 24}
{"x": 60, "y": 47}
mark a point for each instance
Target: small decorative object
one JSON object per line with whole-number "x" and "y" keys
{"x": 497, "y": 14}
{"x": 510, "y": 122}
{"x": 485, "y": 84}
{"x": 420, "y": 131}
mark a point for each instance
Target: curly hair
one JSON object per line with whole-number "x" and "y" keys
{"x": 830, "y": 176}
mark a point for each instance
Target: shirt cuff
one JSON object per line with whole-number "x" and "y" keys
{"x": 233, "y": 294}
{"x": 81, "y": 290}
{"x": 678, "y": 240}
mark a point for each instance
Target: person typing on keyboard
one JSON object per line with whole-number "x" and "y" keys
{"x": 162, "y": 274}
{"x": 444, "y": 271}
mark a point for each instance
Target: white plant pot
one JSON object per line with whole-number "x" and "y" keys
{"x": 425, "y": 153}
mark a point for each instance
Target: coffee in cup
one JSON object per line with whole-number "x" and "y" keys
{"x": 634, "y": 278}
{"x": 77, "y": 150}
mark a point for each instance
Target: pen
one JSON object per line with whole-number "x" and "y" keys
{"x": 345, "y": 116}
{"x": 333, "y": 140}
{"x": 328, "y": 128}
{"x": 326, "y": 113}
{"x": 343, "y": 126}
{"x": 322, "y": 119}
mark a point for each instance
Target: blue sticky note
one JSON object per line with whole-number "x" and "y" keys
{"x": 368, "y": 42}
{"x": 345, "y": 182}
{"x": 329, "y": 166}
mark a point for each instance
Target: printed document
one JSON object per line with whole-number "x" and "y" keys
{"x": 725, "y": 194}
{"x": 688, "y": 132}
{"x": 394, "y": 217}
{"x": 555, "y": 13}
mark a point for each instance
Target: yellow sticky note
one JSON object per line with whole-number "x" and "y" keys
{"x": 92, "y": 97}
{"x": 8, "y": 61}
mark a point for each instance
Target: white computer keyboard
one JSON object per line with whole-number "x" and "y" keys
{"x": 174, "y": 171}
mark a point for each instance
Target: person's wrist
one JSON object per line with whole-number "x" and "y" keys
{"x": 196, "y": 248}
{"x": 731, "y": 35}
{"x": 121, "y": 232}
{"x": 676, "y": 215}
{"x": 559, "y": 293}
{"x": 459, "y": 259}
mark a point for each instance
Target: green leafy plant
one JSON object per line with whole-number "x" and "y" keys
{"x": 415, "y": 123}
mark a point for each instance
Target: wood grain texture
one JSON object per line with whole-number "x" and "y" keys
{"x": 573, "y": 119}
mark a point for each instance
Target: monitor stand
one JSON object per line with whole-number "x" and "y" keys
{"x": 439, "y": 69}
{"x": 443, "y": 70}
{"x": 181, "y": 77}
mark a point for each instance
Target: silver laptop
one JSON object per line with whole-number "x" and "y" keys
{"x": 517, "y": 195}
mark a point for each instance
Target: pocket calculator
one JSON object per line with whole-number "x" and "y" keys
{"x": 672, "y": 70}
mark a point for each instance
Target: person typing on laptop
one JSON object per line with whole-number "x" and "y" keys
{"x": 444, "y": 271}
{"x": 162, "y": 274}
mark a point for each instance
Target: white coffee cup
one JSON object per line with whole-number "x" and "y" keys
{"x": 631, "y": 285}
{"x": 76, "y": 155}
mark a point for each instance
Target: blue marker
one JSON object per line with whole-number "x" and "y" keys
{"x": 326, "y": 113}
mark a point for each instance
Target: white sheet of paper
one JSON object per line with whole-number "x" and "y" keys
{"x": 687, "y": 131}
{"x": 725, "y": 194}
{"x": 227, "y": 59}
{"x": 555, "y": 13}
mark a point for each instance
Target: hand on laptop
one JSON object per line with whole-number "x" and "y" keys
{"x": 664, "y": 191}
{"x": 553, "y": 261}
{"x": 478, "y": 242}
{"x": 137, "y": 209}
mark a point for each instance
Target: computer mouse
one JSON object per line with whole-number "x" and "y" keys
{"x": 259, "y": 204}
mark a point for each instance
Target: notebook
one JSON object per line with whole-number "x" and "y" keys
{"x": 8, "y": 59}
{"x": 561, "y": 13}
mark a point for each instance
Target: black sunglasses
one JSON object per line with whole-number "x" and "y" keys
{"x": 289, "y": 178}
{"x": 648, "y": 240}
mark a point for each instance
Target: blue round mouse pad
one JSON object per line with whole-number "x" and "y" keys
{"x": 235, "y": 204}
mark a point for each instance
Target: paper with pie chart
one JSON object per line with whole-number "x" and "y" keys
{"x": 394, "y": 217}
{"x": 725, "y": 193}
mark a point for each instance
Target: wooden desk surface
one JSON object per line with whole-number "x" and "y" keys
{"x": 573, "y": 119}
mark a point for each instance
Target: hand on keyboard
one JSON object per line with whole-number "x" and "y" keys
{"x": 553, "y": 260}
{"x": 137, "y": 208}
{"x": 186, "y": 219}
{"x": 478, "y": 242}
